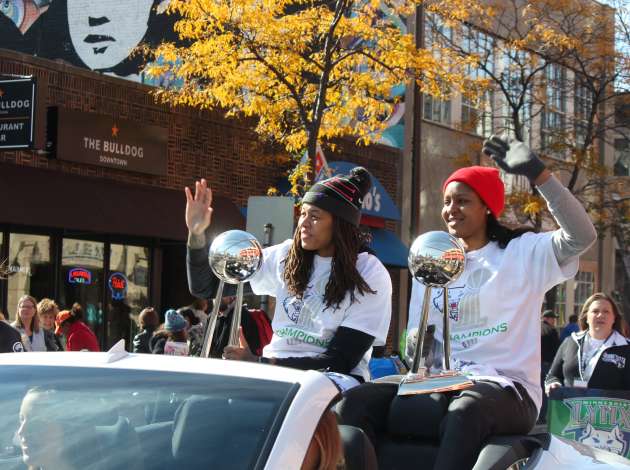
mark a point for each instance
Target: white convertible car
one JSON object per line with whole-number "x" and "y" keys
{"x": 115, "y": 410}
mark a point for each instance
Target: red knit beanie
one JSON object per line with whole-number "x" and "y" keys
{"x": 485, "y": 182}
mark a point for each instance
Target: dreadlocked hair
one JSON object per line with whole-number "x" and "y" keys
{"x": 344, "y": 277}
{"x": 501, "y": 234}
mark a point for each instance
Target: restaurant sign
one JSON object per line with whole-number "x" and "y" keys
{"x": 114, "y": 143}
{"x": 17, "y": 108}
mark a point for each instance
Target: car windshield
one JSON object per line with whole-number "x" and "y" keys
{"x": 94, "y": 418}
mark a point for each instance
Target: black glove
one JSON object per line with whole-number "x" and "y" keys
{"x": 515, "y": 158}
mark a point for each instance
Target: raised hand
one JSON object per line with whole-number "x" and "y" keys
{"x": 514, "y": 157}
{"x": 198, "y": 208}
{"x": 240, "y": 352}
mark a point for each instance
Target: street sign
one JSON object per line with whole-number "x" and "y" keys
{"x": 17, "y": 110}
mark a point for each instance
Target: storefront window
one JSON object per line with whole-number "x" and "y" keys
{"x": 29, "y": 269}
{"x": 127, "y": 291}
{"x": 81, "y": 280}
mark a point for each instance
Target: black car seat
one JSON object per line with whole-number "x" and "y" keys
{"x": 120, "y": 446}
{"x": 411, "y": 433}
{"x": 218, "y": 432}
{"x": 358, "y": 450}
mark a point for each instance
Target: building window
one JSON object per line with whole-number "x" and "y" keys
{"x": 29, "y": 269}
{"x": 583, "y": 107}
{"x": 437, "y": 110}
{"x": 584, "y": 288}
{"x": 560, "y": 307}
{"x": 129, "y": 264}
{"x": 81, "y": 280}
{"x": 554, "y": 111}
{"x": 436, "y": 35}
{"x": 622, "y": 157}
{"x": 477, "y": 114}
{"x": 515, "y": 66}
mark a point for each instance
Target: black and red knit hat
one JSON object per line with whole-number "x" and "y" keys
{"x": 341, "y": 195}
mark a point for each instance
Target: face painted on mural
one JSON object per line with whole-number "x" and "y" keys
{"x": 105, "y": 32}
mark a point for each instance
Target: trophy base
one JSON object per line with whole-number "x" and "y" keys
{"x": 447, "y": 381}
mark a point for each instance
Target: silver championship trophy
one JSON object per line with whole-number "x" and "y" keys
{"x": 436, "y": 259}
{"x": 234, "y": 257}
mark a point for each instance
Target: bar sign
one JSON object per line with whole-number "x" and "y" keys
{"x": 17, "y": 108}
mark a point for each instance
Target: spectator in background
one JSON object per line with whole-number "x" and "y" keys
{"x": 172, "y": 340}
{"x": 224, "y": 322}
{"x": 27, "y": 323}
{"x": 195, "y": 331}
{"x": 148, "y": 322}
{"x": 78, "y": 335}
{"x": 48, "y": 310}
{"x": 10, "y": 339}
{"x": 571, "y": 327}
{"x": 2, "y": 317}
{"x": 549, "y": 340}
{"x": 599, "y": 355}
{"x": 200, "y": 307}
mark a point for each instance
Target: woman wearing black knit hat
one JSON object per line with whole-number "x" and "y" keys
{"x": 333, "y": 298}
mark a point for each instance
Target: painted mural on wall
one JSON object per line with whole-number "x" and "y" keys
{"x": 100, "y": 35}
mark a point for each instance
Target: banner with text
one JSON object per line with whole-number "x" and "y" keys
{"x": 17, "y": 108}
{"x": 598, "y": 418}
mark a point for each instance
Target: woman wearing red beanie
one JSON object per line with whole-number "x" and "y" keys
{"x": 494, "y": 307}
{"x": 333, "y": 296}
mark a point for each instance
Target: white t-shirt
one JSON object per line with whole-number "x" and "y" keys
{"x": 304, "y": 327}
{"x": 494, "y": 310}
{"x": 590, "y": 355}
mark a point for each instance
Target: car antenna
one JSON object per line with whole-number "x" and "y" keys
{"x": 116, "y": 352}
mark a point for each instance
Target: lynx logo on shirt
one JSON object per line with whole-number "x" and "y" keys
{"x": 18, "y": 347}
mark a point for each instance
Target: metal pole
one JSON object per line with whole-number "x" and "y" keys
{"x": 446, "y": 332}
{"x": 422, "y": 331}
{"x": 236, "y": 316}
{"x": 264, "y": 299}
{"x": 212, "y": 321}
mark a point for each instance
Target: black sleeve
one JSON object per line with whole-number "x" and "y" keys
{"x": 345, "y": 350}
{"x": 202, "y": 282}
{"x": 555, "y": 371}
{"x": 626, "y": 370}
{"x": 49, "y": 339}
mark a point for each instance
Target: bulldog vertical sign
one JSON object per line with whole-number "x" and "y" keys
{"x": 17, "y": 107}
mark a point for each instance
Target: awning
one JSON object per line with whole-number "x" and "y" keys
{"x": 389, "y": 248}
{"x": 46, "y": 198}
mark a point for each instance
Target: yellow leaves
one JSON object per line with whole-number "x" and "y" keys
{"x": 533, "y": 207}
{"x": 299, "y": 179}
{"x": 289, "y": 65}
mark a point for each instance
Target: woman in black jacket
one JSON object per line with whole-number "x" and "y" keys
{"x": 149, "y": 321}
{"x": 596, "y": 357}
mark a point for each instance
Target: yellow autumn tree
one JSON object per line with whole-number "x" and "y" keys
{"x": 306, "y": 70}
{"x": 554, "y": 71}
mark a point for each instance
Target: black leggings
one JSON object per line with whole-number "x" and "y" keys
{"x": 472, "y": 416}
